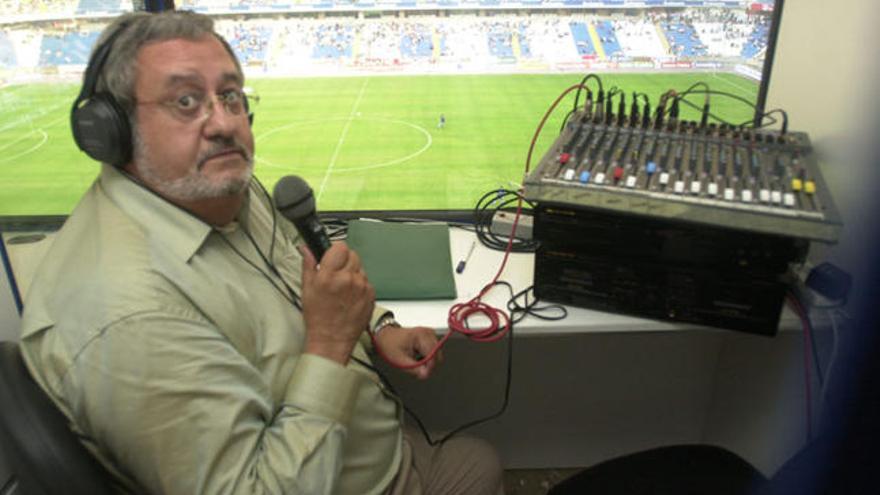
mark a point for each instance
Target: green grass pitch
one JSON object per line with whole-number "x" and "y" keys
{"x": 363, "y": 143}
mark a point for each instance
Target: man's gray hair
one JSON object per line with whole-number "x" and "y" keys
{"x": 139, "y": 28}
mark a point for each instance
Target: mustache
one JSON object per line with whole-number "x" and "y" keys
{"x": 224, "y": 147}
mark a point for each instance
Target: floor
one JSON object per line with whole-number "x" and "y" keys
{"x": 533, "y": 481}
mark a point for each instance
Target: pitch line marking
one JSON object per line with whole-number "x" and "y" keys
{"x": 342, "y": 139}
{"x": 29, "y": 150}
{"x": 389, "y": 163}
{"x": 30, "y": 118}
{"x": 737, "y": 86}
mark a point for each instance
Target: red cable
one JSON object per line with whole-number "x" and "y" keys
{"x": 499, "y": 321}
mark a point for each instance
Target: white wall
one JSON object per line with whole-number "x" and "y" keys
{"x": 825, "y": 76}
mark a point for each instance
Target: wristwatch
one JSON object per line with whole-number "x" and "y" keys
{"x": 384, "y": 321}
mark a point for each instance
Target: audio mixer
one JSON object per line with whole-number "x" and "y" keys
{"x": 676, "y": 220}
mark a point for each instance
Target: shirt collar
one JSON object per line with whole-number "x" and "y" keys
{"x": 165, "y": 224}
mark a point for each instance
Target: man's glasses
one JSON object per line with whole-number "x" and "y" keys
{"x": 193, "y": 106}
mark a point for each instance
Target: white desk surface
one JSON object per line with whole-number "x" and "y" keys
{"x": 481, "y": 269}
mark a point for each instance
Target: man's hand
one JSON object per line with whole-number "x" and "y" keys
{"x": 406, "y": 346}
{"x": 337, "y": 302}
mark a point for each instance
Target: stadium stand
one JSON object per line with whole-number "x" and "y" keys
{"x": 249, "y": 42}
{"x": 522, "y": 39}
{"x": 581, "y": 36}
{"x": 757, "y": 41}
{"x": 683, "y": 39}
{"x": 100, "y": 6}
{"x": 333, "y": 41}
{"x": 549, "y": 39}
{"x": 639, "y": 38}
{"x": 458, "y": 40}
{"x": 416, "y": 42}
{"x": 16, "y": 8}
{"x": 606, "y": 33}
{"x": 7, "y": 51}
{"x": 500, "y": 41}
{"x": 67, "y": 48}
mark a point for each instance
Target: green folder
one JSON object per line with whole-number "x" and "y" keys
{"x": 404, "y": 261}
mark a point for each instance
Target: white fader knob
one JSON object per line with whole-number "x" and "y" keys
{"x": 729, "y": 193}
{"x": 713, "y": 189}
{"x": 678, "y": 187}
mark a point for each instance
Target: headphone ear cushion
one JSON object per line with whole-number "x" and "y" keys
{"x": 101, "y": 129}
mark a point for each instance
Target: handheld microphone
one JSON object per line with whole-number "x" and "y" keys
{"x": 294, "y": 199}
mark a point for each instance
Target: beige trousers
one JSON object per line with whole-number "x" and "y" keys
{"x": 461, "y": 466}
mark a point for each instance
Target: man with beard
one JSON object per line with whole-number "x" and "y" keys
{"x": 174, "y": 322}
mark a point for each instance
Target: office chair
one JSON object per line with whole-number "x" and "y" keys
{"x": 39, "y": 454}
{"x": 671, "y": 470}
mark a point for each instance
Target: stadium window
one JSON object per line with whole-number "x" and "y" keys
{"x": 351, "y": 90}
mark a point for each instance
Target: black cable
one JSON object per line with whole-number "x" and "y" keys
{"x": 518, "y": 311}
{"x": 7, "y": 266}
{"x": 431, "y": 441}
{"x": 274, "y": 217}
{"x": 577, "y": 95}
{"x": 565, "y": 119}
{"x": 693, "y": 86}
{"x": 291, "y": 295}
{"x": 764, "y": 115}
{"x": 718, "y": 93}
{"x": 490, "y": 203}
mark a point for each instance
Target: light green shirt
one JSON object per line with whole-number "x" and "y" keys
{"x": 180, "y": 364}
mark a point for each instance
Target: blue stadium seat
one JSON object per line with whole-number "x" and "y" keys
{"x": 581, "y": 36}
{"x": 683, "y": 40}
{"x": 95, "y": 6}
{"x": 68, "y": 49}
{"x": 605, "y": 30}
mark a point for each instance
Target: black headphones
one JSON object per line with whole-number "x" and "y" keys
{"x": 100, "y": 125}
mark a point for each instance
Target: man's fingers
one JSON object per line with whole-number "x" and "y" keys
{"x": 309, "y": 264}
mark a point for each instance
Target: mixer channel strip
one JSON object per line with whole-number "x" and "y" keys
{"x": 755, "y": 180}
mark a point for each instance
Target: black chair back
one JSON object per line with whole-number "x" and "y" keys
{"x": 39, "y": 454}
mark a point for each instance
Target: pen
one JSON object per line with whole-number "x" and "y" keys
{"x": 462, "y": 263}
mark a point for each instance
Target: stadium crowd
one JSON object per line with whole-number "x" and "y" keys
{"x": 284, "y": 41}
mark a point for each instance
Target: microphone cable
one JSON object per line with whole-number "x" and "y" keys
{"x": 290, "y": 294}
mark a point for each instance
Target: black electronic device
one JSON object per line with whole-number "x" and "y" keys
{"x": 676, "y": 220}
